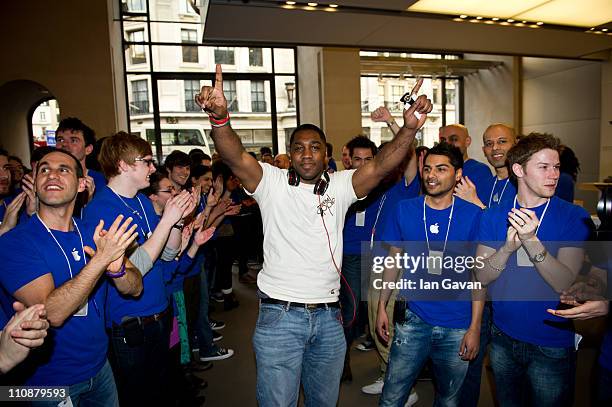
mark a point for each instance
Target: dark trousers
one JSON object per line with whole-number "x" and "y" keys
{"x": 139, "y": 363}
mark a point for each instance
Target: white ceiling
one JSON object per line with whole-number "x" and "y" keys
{"x": 264, "y": 22}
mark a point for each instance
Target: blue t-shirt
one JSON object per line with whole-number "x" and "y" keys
{"x": 565, "y": 187}
{"x": 496, "y": 190}
{"x": 76, "y": 351}
{"x": 526, "y": 320}
{"x": 373, "y": 206}
{"x": 406, "y": 225}
{"x": 107, "y": 205}
{"x": 3, "y": 318}
{"x": 478, "y": 173}
{"x": 98, "y": 177}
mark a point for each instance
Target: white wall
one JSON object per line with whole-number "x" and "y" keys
{"x": 563, "y": 97}
{"x": 488, "y": 99}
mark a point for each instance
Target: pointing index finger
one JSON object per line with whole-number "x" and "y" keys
{"x": 417, "y": 86}
{"x": 219, "y": 78}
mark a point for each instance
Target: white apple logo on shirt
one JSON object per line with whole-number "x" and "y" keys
{"x": 75, "y": 255}
{"x": 435, "y": 228}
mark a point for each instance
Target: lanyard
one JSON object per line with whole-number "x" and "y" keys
{"x": 543, "y": 214}
{"x": 450, "y": 218}
{"x": 135, "y": 212}
{"x": 64, "y": 252}
{"x": 380, "y": 206}
{"x": 502, "y": 192}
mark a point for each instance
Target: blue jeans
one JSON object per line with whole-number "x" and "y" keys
{"x": 351, "y": 270}
{"x": 414, "y": 342}
{"x": 202, "y": 330}
{"x": 470, "y": 391}
{"x": 140, "y": 368}
{"x": 297, "y": 344}
{"x": 99, "y": 391}
{"x": 531, "y": 374}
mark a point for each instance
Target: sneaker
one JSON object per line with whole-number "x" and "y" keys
{"x": 219, "y": 354}
{"x": 414, "y": 397}
{"x": 366, "y": 346}
{"x": 374, "y": 388}
{"x": 217, "y": 336}
{"x": 218, "y": 297}
{"x": 216, "y": 325}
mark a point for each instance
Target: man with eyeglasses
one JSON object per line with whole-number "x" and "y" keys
{"x": 139, "y": 328}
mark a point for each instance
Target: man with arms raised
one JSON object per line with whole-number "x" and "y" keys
{"x": 67, "y": 265}
{"x": 303, "y": 212}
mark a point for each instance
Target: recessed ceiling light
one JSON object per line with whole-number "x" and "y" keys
{"x": 505, "y": 23}
{"x": 540, "y": 23}
{"x": 592, "y": 28}
{"x": 489, "y": 22}
{"x": 458, "y": 19}
{"x": 524, "y": 21}
{"x": 463, "y": 16}
{"x": 519, "y": 25}
{"x": 474, "y": 21}
{"x": 604, "y": 29}
{"x": 534, "y": 26}
{"x": 313, "y": 4}
{"x": 495, "y": 18}
{"x": 333, "y": 5}
{"x": 478, "y": 18}
{"x": 510, "y": 20}
{"x": 290, "y": 3}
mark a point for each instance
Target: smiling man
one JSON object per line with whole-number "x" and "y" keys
{"x": 68, "y": 266}
{"x": 140, "y": 327}
{"x": 303, "y": 211}
{"x": 178, "y": 165}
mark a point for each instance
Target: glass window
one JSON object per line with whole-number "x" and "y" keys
{"x": 224, "y": 55}
{"x": 137, "y": 51}
{"x": 258, "y": 97}
{"x": 185, "y": 7}
{"x": 396, "y": 94}
{"x": 190, "y": 52}
{"x": 191, "y": 88}
{"x": 229, "y": 89}
{"x": 140, "y": 97}
{"x": 136, "y": 5}
{"x": 255, "y": 57}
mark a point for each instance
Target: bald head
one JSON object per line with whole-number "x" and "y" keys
{"x": 497, "y": 139}
{"x": 458, "y": 136}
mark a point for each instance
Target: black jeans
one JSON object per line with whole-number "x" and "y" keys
{"x": 140, "y": 367}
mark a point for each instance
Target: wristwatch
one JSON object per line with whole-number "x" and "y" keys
{"x": 179, "y": 226}
{"x": 539, "y": 258}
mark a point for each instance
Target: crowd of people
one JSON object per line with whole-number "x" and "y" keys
{"x": 109, "y": 264}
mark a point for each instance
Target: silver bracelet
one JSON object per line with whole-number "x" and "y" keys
{"x": 499, "y": 270}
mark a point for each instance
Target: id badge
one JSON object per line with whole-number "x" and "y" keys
{"x": 67, "y": 402}
{"x": 360, "y": 219}
{"x": 522, "y": 258}
{"x": 82, "y": 312}
{"x": 434, "y": 262}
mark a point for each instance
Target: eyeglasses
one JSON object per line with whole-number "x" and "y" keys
{"x": 148, "y": 162}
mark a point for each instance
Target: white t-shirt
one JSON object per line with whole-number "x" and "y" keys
{"x": 297, "y": 261}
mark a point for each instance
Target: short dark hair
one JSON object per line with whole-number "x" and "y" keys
{"x": 154, "y": 180}
{"x": 453, "y": 153}
{"x": 200, "y": 170}
{"x": 265, "y": 150}
{"x": 14, "y": 158}
{"x": 220, "y": 168}
{"x": 569, "y": 162}
{"x": 307, "y": 127}
{"x": 5, "y": 153}
{"x": 361, "y": 142}
{"x": 177, "y": 158}
{"x": 527, "y": 146}
{"x": 330, "y": 149}
{"x": 79, "y": 168}
{"x": 40, "y": 152}
{"x": 74, "y": 124}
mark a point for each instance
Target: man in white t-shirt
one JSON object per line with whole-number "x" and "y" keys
{"x": 299, "y": 334}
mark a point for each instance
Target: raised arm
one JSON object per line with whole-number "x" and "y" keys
{"x": 391, "y": 155}
{"x": 227, "y": 142}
